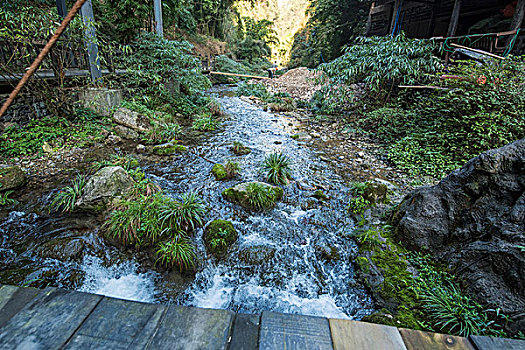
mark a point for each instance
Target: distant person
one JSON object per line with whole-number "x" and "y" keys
{"x": 272, "y": 70}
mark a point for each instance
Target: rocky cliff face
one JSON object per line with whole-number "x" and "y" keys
{"x": 474, "y": 221}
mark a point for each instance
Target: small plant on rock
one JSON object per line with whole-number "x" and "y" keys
{"x": 184, "y": 213}
{"x": 219, "y": 241}
{"x": 259, "y": 197}
{"x": 65, "y": 199}
{"x": 232, "y": 169}
{"x": 277, "y": 168}
{"x": 5, "y": 201}
{"x": 205, "y": 123}
{"x": 239, "y": 149}
{"x": 177, "y": 252}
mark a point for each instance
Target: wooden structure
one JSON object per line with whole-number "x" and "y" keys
{"x": 59, "y": 319}
{"x": 452, "y": 18}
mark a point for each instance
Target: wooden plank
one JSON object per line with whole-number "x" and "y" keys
{"x": 191, "y": 329}
{"x": 416, "y": 340}
{"x": 350, "y": 335}
{"x": 48, "y": 320}
{"x": 488, "y": 343}
{"x": 19, "y": 298}
{"x": 239, "y": 75}
{"x": 478, "y": 51}
{"x": 115, "y": 324}
{"x": 284, "y": 331}
{"x": 245, "y": 332}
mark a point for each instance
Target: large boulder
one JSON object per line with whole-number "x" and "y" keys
{"x": 474, "y": 221}
{"x": 244, "y": 192}
{"x": 11, "y": 177}
{"x": 132, "y": 120}
{"x": 104, "y": 187}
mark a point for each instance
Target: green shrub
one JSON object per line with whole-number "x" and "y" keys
{"x": 205, "y": 123}
{"x": 384, "y": 62}
{"x": 65, "y": 199}
{"x": 177, "y": 252}
{"x": 277, "y": 169}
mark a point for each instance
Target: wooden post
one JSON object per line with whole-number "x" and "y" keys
{"x": 90, "y": 37}
{"x": 369, "y": 21}
{"x": 158, "y": 17}
{"x": 517, "y": 21}
{"x": 61, "y": 8}
{"x": 393, "y": 22}
{"x": 454, "y": 20}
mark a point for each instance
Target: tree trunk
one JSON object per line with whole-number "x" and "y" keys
{"x": 517, "y": 21}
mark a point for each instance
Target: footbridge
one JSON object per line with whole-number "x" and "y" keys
{"x": 61, "y": 319}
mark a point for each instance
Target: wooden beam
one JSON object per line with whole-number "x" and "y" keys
{"x": 454, "y": 20}
{"x": 90, "y": 37}
{"x": 477, "y": 51}
{"x": 517, "y": 21}
{"x": 159, "y": 29}
{"x": 239, "y": 75}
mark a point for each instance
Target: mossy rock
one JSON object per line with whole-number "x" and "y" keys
{"x": 11, "y": 177}
{"x": 256, "y": 255}
{"x": 376, "y": 193}
{"x": 219, "y": 235}
{"x": 240, "y": 195}
{"x": 240, "y": 150}
{"x": 327, "y": 252}
{"x": 319, "y": 194}
{"x": 219, "y": 172}
{"x": 301, "y": 136}
{"x": 167, "y": 149}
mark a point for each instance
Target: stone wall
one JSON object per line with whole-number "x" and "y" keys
{"x": 24, "y": 108}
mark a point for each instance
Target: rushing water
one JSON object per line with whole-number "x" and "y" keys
{"x": 309, "y": 269}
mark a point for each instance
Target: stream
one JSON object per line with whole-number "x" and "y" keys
{"x": 307, "y": 243}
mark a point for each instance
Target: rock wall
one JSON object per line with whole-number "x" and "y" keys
{"x": 24, "y": 108}
{"x": 474, "y": 221}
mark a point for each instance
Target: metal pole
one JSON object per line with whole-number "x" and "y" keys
{"x": 157, "y": 4}
{"x": 90, "y": 37}
{"x": 454, "y": 20}
{"x": 74, "y": 10}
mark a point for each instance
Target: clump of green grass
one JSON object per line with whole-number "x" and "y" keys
{"x": 232, "y": 169}
{"x": 205, "y": 123}
{"x": 125, "y": 161}
{"x": 65, "y": 199}
{"x": 239, "y": 149}
{"x": 5, "y": 201}
{"x": 163, "y": 132}
{"x": 259, "y": 196}
{"x": 185, "y": 213}
{"x": 177, "y": 252}
{"x": 277, "y": 169}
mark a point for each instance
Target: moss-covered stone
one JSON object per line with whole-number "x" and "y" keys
{"x": 240, "y": 194}
{"x": 168, "y": 149}
{"x": 218, "y": 236}
{"x": 319, "y": 194}
{"x": 363, "y": 264}
{"x": 375, "y": 193}
{"x": 11, "y": 177}
{"x": 327, "y": 252}
{"x": 256, "y": 255}
{"x": 219, "y": 172}
{"x": 240, "y": 150}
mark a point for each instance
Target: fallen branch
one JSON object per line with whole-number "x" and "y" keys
{"x": 422, "y": 87}
{"x": 478, "y": 51}
{"x": 239, "y": 75}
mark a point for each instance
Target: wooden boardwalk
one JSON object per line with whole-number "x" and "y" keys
{"x": 59, "y": 319}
